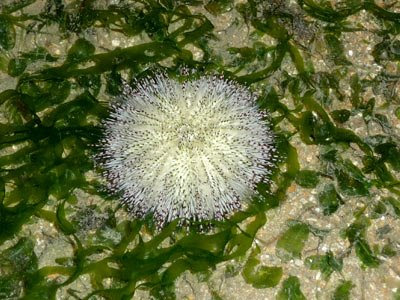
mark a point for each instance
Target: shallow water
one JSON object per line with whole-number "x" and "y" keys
{"x": 327, "y": 74}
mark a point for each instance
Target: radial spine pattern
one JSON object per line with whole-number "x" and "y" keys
{"x": 193, "y": 150}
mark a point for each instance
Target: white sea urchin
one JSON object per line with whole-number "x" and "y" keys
{"x": 193, "y": 150}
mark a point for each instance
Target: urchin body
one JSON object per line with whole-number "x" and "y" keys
{"x": 193, "y": 150}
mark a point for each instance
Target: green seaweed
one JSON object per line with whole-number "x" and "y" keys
{"x": 291, "y": 243}
{"x": 355, "y": 233}
{"x": 329, "y": 199}
{"x": 291, "y": 290}
{"x": 394, "y": 203}
{"x": 7, "y": 33}
{"x": 54, "y": 103}
{"x": 396, "y": 295}
{"x": 342, "y": 291}
{"x": 19, "y": 265}
{"x": 341, "y": 115}
{"x": 327, "y": 264}
{"x": 336, "y": 50}
{"x": 260, "y": 276}
{"x": 307, "y": 178}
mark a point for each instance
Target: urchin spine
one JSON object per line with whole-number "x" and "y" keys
{"x": 193, "y": 150}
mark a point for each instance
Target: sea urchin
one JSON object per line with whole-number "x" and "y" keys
{"x": 193, "y": 150}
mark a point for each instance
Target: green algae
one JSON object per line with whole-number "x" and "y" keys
{"x": 291, "y": 290}
{"x": 260, "y": 276}
{"x": 49, "y": 120}
{"x": 327, "y": 264}
{"x": 342, "y": 292}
